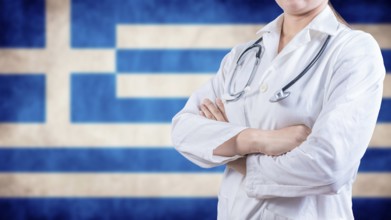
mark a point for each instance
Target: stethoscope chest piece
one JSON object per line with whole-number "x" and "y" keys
{"x": 279, "y": 95}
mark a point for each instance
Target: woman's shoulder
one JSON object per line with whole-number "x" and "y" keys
{"x": 356, "y": 42}
{"x": 240, "y": 47}
{"x": 357, "y": 49}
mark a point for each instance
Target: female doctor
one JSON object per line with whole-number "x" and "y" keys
{"x": 296, "y": 155}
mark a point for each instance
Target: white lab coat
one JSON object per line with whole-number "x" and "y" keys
{"x": 339, "y": 99}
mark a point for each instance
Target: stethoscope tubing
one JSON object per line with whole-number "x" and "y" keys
{"x": 309, "y": 66}
{"x": 253, "y": 71}
{"x": 280, "y": 94}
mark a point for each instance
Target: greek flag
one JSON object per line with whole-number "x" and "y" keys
{"x": 88, "y": 89}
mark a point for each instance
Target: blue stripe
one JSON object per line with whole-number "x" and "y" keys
{"x": 85, "y": 32}
{"x": 385, "y": 111}
{"x": 387, "y": 59}
{"x": 132, "y": 160}
{"x": 376, "y": 160}
{"x": 108, "y": 208}
{"x": 169, "y": 60}
{"x": 96, "y": 160}
{"x": 372, "y": 208}
{"x": 363, "y": 11}
{"x": 186, "y": 60}
{"x": 147, "y": 208}
{"x": 94, "y": 26}
{"x": 22, "y": 98}
{"x": 22, "y": 23}
{"x": 93, "y": 99}
{"x": 84, "y": 17}
{"x": 202, "y": 11}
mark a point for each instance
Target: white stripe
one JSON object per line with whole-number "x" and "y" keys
{"x": 109, "y": 185}
{"x": 85, "y": 135}
{"x": 387, "y": 86}
{"x": 183, "y": 36}
{"x": 381, "y": 136}
{"x": 157, "y": 85}
{"x": 24, "y": 61}
{"x": 381, "y": 32}
{"x": 115, "y": 135}
{"x": 147, "y": 185}
{"x": 212, "y": 36}
{"x": 372, "y": 185}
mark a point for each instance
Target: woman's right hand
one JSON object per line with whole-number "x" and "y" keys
{"x": 271, "y": 142}
{"x": 277, "y": 142}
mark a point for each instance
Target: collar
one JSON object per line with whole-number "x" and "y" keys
{"x": 325, "y": 22}
{"x": 272, "y": 27}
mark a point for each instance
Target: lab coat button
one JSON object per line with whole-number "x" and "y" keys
{"x": 263, "y": 88}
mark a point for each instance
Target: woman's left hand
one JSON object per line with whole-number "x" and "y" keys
{"x": 214, "y": 111}
{"x": 217, "y": 112}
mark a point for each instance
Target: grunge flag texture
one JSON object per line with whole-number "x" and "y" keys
{"x": 88, "y": 89}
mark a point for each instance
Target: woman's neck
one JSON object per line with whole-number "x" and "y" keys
{"x": 294, "y": 23}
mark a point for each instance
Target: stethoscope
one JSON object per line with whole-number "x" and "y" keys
{"x": 278, "y": 95}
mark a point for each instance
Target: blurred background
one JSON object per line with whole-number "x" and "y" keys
{"x": 88, "y": 89}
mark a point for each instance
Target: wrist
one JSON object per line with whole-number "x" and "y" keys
{"x": 250, "y": 141}
{"x": 259, "y": 143}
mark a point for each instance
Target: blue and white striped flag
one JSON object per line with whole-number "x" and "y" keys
{"x": 88, "y": 89}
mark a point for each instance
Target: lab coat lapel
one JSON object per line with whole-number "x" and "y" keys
{"x": 298, "y": 41}
{"x": 325, "y": 23}
{"x": 271, "y": 35}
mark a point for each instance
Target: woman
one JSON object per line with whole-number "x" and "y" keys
{"x": 298, "y": 157}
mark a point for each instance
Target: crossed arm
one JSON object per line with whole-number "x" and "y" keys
{"x": 323, "y": 164}
{"x": 252, "y": 141}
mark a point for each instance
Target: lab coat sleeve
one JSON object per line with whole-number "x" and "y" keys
{"x": 329, "y": 158}
{"x": 195, "y": 136}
